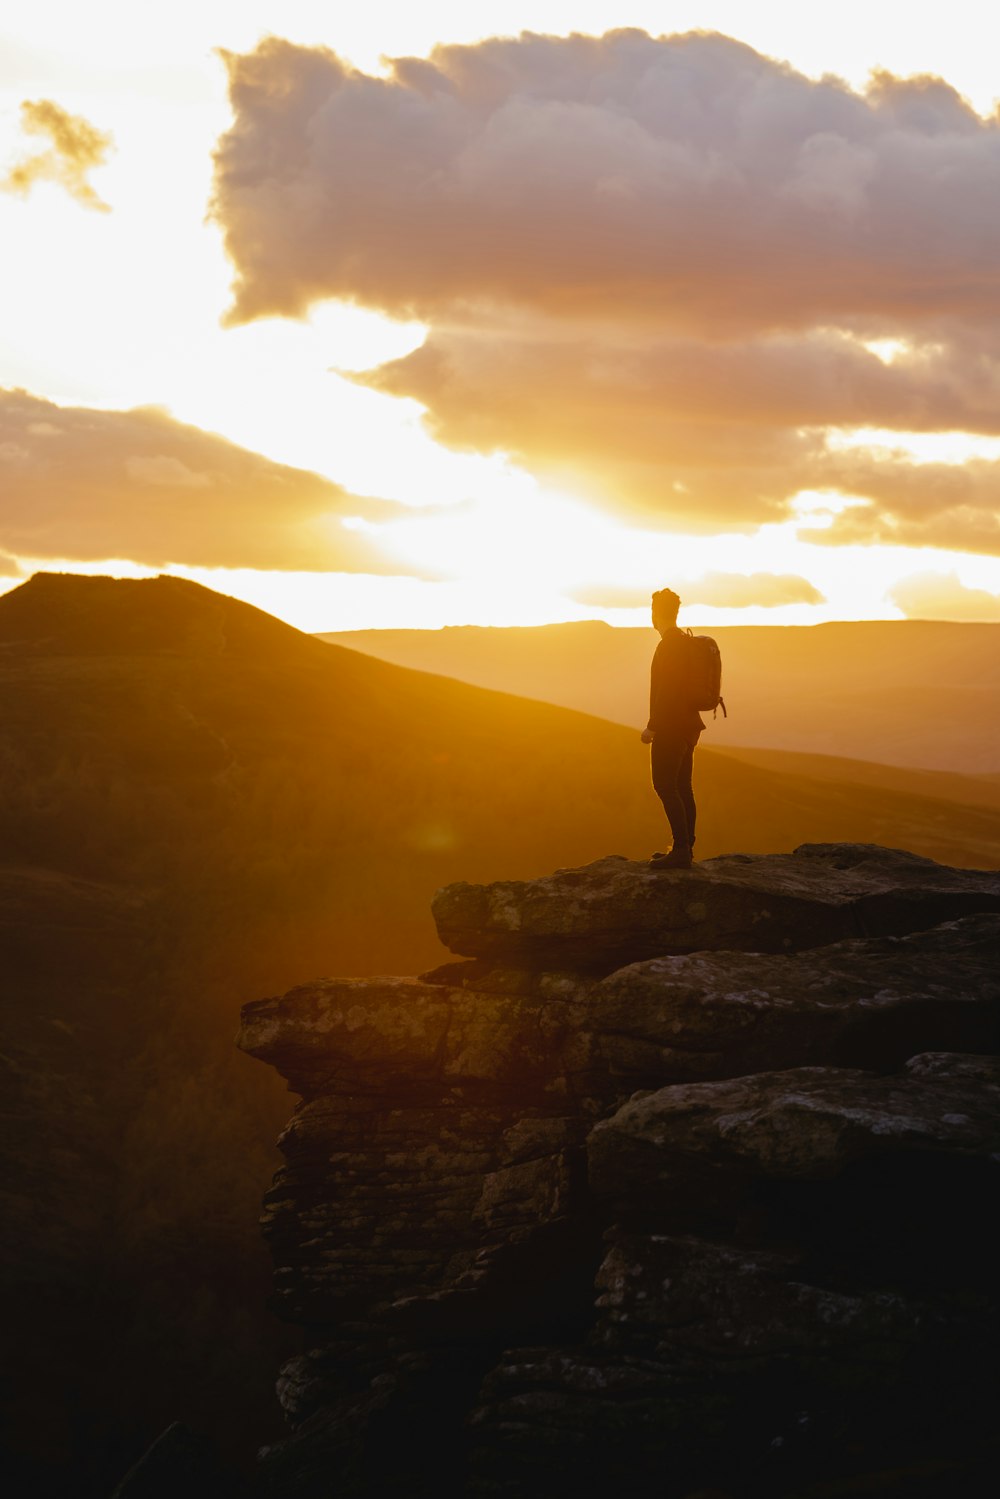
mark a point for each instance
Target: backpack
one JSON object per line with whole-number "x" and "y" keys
{"x": 705, "y": 674}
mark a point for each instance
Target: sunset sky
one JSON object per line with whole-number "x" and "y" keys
{"x": 388, "y": 315}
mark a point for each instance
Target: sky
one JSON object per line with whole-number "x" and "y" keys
{"x": 395, "y": 315}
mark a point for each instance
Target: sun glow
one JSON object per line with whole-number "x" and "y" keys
{"x": 856, "y": 582}
{"x": 538, "y": 537}
{"x": 916, "y": 447}
{"x": 887, "y": 349}
{"x": 122, "y": 309}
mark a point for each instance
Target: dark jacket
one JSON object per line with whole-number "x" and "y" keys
{"x": 670, "y": 714}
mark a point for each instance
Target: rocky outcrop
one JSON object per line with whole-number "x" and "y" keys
{"x": 615, "y": 912}
{"x": 809, "y": 1123}
{"x": 769, "y": 1270}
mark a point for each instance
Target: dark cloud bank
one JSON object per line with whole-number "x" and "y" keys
{"x": 650, "y": 266}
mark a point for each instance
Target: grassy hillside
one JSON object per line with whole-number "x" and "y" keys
{"x": 198, "y": 806}
{"x": 938, "y": 785}
{"x": 918, "y": 693}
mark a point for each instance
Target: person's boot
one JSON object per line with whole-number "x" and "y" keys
{"x": 679, "y": 857}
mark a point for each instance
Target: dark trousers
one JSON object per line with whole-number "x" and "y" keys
{"x": 671, "y": 761}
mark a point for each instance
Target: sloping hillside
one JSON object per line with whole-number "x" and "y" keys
{"x": 919, "y": 693}
{"x": 200, "y": 806}
{"x": 938, "y": 785}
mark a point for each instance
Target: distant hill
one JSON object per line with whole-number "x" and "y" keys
{"x": 198, "y": 806}
{"x": 919, "y": 693}
{"x": 937, "y": 785}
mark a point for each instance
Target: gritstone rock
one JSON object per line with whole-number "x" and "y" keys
{"x": 770, "y": 1272}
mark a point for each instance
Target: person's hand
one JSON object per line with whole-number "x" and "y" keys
{"x": 647, "y": 736}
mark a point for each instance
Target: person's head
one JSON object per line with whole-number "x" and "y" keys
{"x": 665, "y": 606}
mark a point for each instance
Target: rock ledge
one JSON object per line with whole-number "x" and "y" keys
{"x": 768, "y": 1272}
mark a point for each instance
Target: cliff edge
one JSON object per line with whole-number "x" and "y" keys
{"x": 685, "y": 1182}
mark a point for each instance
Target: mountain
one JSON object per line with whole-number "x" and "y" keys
{"x": 918, "y": 693}
{"x": 200, "y": 805}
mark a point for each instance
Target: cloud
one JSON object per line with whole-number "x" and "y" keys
{"x": 169, "y": 472}
{"x": 88, "y": 485}
{"x": 703, "y": 434}
{"x": 955, "y": 506}
{"x": 651, "y": 267}
{"x": 934, "y": 595}
{"x": 76, "y": 147}
{"x": 739, "y": 591}
{"x": 817, "y": 378}
{"x": 721, "y": 590}
{"x": 672, "y": 182}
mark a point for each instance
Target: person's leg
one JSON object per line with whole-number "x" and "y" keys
{"x": 666, "y": 760}
{"x": 686, "y": 791}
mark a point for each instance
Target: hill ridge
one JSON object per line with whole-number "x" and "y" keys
{"x": 73, "y": 614}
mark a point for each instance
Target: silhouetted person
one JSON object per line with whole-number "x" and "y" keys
{"x": 673, "y": 731}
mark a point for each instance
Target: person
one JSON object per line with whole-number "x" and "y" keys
{"x": 672, "y": 732}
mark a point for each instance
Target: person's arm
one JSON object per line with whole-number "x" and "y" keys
{"x": 647, "y": 733}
